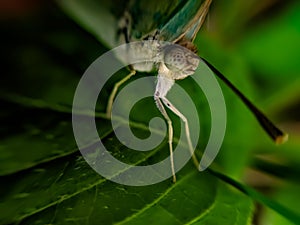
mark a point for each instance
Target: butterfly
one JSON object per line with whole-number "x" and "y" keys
{"x": 174, "y": 21}
{"x": 179, "y": 61}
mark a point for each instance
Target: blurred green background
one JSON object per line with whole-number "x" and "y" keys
{"x": 44, "y": 180}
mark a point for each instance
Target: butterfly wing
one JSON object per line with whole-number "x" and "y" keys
{"x": 187, "y": 21}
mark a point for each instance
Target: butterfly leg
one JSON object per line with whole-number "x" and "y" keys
{"x": 161, "y": 108}
{"x": 187, "y": 129}
{"x": 114, "y": 92}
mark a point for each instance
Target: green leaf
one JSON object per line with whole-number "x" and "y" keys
{"x": 44, "y": 179}
{"x": 71, "y": 192}
{"x": 36, "y": 141}
{"x": 97, "y": 18}
{"x": 283, "y": 210}
{"x": 272, "y": 49}
{"x": 40, "y": 75}
{"x": 43, "y": 139}
{"x": 288, "y": 195}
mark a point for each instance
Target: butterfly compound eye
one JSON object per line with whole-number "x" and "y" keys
{"x": 180, "y": 61}
{"x": 174, "y": 58}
